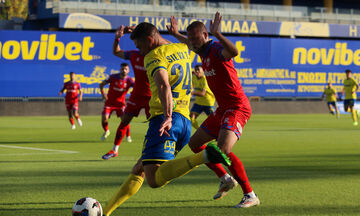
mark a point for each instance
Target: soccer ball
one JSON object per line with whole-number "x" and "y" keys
{"x": 87, "y": 207}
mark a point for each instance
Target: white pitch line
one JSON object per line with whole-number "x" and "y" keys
{"x": 39, "y": 149}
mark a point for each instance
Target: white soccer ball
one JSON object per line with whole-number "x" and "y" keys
{"x": 87, "y": 207}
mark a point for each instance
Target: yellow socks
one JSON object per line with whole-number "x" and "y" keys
{"x": 127, "y": 189}
{"x": 194, "y": 123}
{"x": 337, "y": 114}
{"x": 177, "y": 167}
{"x": 354, "y": 114}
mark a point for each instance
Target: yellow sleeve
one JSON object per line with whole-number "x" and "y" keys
{"x": 153, "y": 62}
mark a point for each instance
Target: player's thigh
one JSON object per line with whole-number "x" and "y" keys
{"x": 69, "y": 113}
{"x": 133, "y": 108}
{"x": 226, "y": 140}
{"x": 105, "y": 115}
{"x": 158, "y": 148}
{"x": 126, "y": 118}
{"x": 232, "y": 123}
{"x": 150, "y": 173}
{"x": 199, "y": 138}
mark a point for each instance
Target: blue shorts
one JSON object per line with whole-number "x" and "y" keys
{"x": 332, "y": 103}
{"x": 200, "y": 108}
{"x": 158, "y": 149}
{"x": 349, "y": 103}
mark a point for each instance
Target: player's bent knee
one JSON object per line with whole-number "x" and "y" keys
{"x": 152, "y": 184}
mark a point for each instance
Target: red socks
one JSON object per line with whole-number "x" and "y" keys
{"x": 71, "y": 121}
{"x": 128, "y": 131}
{"x": 105, "y": 125}
{"x": 217, "y": 168}
{"x": 238, "y": 171}
{"x": 121, "y": 131}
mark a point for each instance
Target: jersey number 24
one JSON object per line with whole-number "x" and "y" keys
{"x": 187, "y": 81}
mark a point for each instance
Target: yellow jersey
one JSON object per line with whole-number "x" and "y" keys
{"x": 349, "y": 87}
{"x": 330, "y": 94}
{"x": 200, "y": 84}
{"x": 175, "y": 59}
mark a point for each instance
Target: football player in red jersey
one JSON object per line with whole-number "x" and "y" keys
{"x": 234, "y": 110}
{"x": 71, "y": 99}
{"x": 119, "y": 85}
{"x": 140, "y": 95}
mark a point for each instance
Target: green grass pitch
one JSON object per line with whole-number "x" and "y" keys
{"x": 297, "y": 164}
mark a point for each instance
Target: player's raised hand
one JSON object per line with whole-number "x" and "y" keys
{"x": 215, "y": 24}
{"x": 129, "y": 29}
{"x": 173, "y": 28}
{"x": 165, "y": 126}
{"x": 120, "y": 32}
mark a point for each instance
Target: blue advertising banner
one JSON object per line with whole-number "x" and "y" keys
{"x": 90, "y": 21}
{"x": 36, "y": 64}
{"x": 285, "y": 28}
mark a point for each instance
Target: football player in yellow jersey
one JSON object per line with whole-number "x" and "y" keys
{"x": 168, "y": 70}
{"x": 204, "y": 100}
{"x": 350, "y": 88}
{"x": 330, "y": 93}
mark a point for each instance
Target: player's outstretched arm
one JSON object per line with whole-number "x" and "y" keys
{"x": 81, "y": 94}
{"x": 101, "y": 86}
{"x": 322, "y": 96}
{"x": 164, "y": 90}
{"x": 229, "y": 50}
{"x": 62, "y": 91}
{"x": 174, "y": 31}
{"x": 199, "y": 93}
{"x": 357, "y": 87}
{"x": 117, "y": 51}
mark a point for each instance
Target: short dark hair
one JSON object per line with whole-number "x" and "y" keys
{"x": 196, "y": 25}
{"x": 198, "y": 66}
{"x": 143, "y": 30}
{"x": 348, "y": 71}
{"x": 71, "y": 73}
{"x": 124, "y": 64}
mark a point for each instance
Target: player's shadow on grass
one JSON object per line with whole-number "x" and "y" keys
{"x": 306, "y": 167}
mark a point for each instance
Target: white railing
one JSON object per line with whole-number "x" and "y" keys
{"x": 204, "y": 10}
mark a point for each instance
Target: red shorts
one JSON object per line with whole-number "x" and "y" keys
{"x": 232, "y": 119}
{"x": 109, "y": 109}
{"x": 135, "y": 104}
{"x": 72, "y": 106}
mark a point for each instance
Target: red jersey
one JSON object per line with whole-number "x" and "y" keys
{"x": 72, "y": 89}
{"x": 142, "y": 86}
{"x": 222, "y": 79}
{"x": 118, "y": 89}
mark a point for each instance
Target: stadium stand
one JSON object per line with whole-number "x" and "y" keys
{"x": 230, "y": 10}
